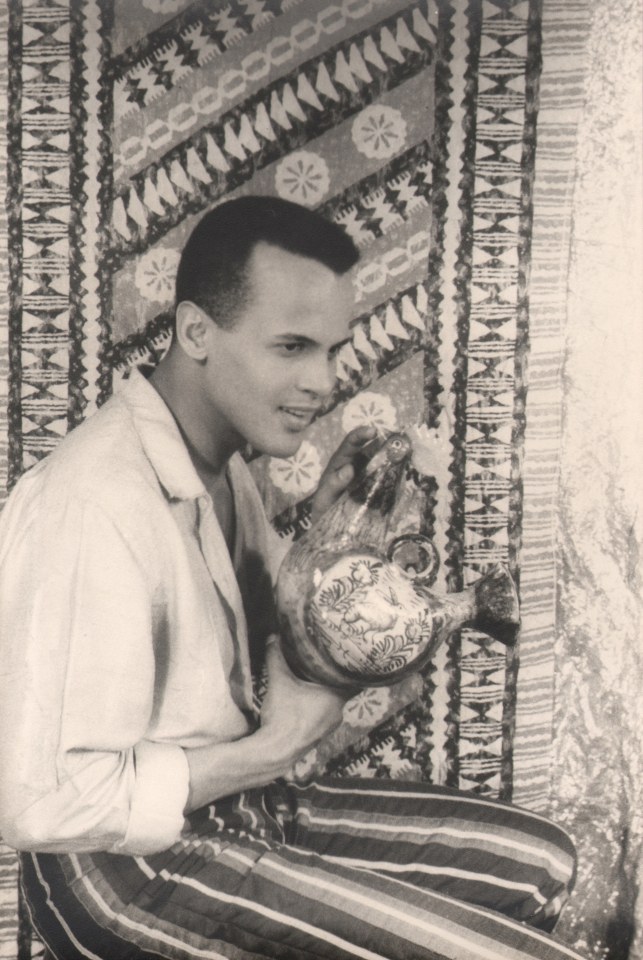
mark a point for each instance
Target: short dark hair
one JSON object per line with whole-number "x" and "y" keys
{"x": 212, "y": 271}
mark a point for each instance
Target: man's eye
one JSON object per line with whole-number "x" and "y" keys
{"x": 290, "y": 348}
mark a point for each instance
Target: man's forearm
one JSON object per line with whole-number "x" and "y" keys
{"x": 295, "y": 715}
{"x": 220, "y": 769}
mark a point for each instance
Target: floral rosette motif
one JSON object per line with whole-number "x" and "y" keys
{"x": 156, "y": 273}
{"x": 368, "y": 707}
{"x": 379, "y": 132}
{"x": 297, "y": 475}
{"x": 302, "y": 177}
{"x": 372, "y": 410}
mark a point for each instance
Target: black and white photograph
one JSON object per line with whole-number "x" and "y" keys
{"x": 321, "y": 476}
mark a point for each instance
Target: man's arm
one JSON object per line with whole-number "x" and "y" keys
{"x": 77, "y": 688}
{"x": 295, "y": 715}
{"x": 77, "y": 697}
{"x": 77, "y": 691}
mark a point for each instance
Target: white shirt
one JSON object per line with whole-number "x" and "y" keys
{"x": 122, "y": 629}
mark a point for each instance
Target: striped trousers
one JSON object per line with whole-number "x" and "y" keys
{"x": 337, "y": 869}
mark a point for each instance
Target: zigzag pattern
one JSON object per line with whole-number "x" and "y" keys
{"x": 382, "y": 209}
{"x": 45, "y": 215}
{"x": 399, "y": 746}
{"x": 170, "y": 55}
{"x": 89, "y": 135}
{"x": 283, "y": 115}
{"x": 375, "y": 335}
{"x": 248, "y": 72}
{"x": 378, "y": 204}
{"x": 494, "y": 338}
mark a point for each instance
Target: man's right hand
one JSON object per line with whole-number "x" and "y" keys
{"x": 296, "y": 714}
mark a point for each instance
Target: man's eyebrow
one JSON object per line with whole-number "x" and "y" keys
{"x": 293, "y": 337}
{"x": 300, "y": 338}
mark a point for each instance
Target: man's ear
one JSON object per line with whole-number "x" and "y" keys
{"x": 192, "y": 330}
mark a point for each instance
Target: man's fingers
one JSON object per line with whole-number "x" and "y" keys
{"x": 352, "y": 444}
{"x": 344, "y": 475}
{"x": 336, "y": 481}
{"x": 341, "y": 468}
{"x": 351, "y": 449}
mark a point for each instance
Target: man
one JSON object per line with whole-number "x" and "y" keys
{"x": 148, "y": 798}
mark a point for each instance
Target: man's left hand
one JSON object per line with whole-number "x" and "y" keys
{"x": 340, "y": 469}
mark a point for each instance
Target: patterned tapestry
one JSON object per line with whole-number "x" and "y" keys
{"x": 362, "y": 110}
{"x": 412, "y": 125}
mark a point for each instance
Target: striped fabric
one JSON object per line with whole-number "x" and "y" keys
{"x": 8, "y": 903}
{"x": 334, "y": 869}
{"x": 565, "y": 28}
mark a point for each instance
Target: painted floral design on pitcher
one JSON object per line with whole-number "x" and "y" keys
{"x": 369, "y": 616}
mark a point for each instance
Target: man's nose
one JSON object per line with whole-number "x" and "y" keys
{"x": 319, "y": 376}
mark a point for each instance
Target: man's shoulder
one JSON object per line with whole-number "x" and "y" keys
{"x": 101, "y": 462}
{"x": 104, "y": 448}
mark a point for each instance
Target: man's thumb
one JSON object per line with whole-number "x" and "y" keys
{"x": 344, "y": 475}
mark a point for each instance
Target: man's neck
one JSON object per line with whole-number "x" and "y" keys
{"x": 209, "y": 451}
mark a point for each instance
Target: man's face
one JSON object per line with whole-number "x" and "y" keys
{"x": 267, "y": 375}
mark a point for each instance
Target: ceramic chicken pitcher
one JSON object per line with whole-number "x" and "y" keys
{"x": 354, "y": 600}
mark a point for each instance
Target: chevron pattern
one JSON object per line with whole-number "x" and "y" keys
{"x": 495, "y": 350}
{"x": 370, "y": 209}
{"x": 90, "y": 131}
{"x": 166, "y": 58}
{"x": 281, "y": 116}
{"x": 44, "y": 224}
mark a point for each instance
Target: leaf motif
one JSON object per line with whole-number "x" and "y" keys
{"x": 418, "y": 630}
{"x": 393, "y": 598}
{"x": 389, "y": 653}
{"x": 331, "y": 597}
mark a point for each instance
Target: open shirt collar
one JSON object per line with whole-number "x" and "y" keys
{"x": 161, "y": 438}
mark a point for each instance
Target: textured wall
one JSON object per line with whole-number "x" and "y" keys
{"x": 597, "y": 762}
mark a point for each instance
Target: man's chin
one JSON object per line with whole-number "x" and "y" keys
{"x": 284, "y": 452}
{"x": 283, "y": 447}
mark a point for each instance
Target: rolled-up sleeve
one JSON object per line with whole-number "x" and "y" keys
{"x": 77, "y": 688}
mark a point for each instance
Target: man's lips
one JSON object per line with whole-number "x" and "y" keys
{"x": 301, "y": 414}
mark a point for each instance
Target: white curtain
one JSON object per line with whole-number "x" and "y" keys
{"x": 597, "y": 759}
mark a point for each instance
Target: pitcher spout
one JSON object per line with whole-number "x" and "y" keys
{"x": 489, "y": 605}
{"x": 497, "y": 607}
